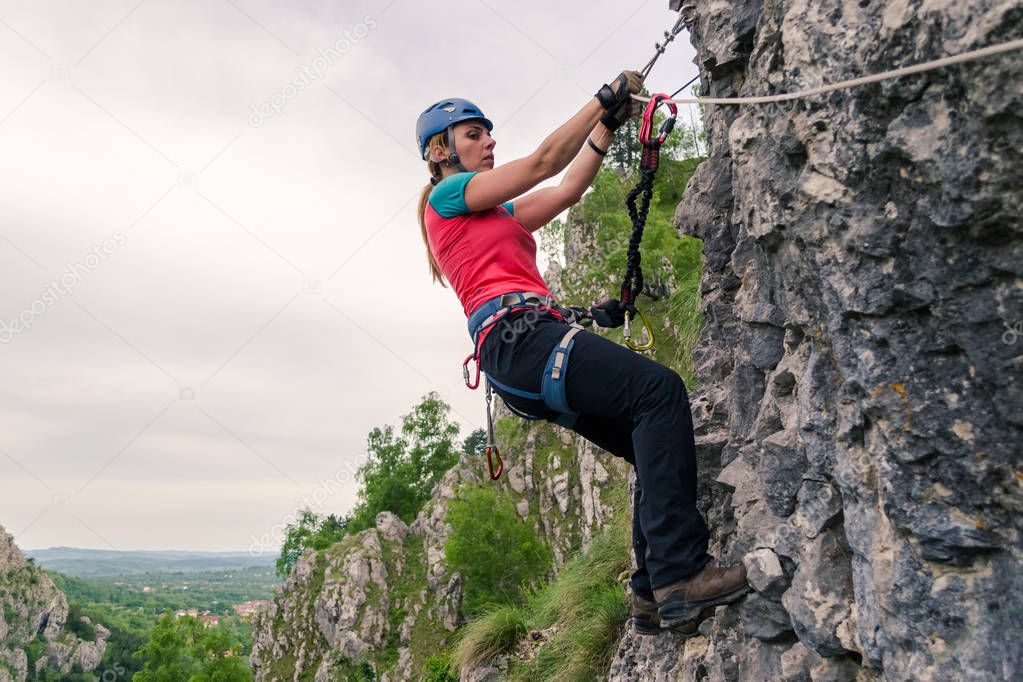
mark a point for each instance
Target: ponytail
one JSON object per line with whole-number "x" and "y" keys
{"x": 435, "y": 176}
{"x": 435, "y": 272}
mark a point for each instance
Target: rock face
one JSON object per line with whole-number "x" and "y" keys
{"x": 33, "y": 615}
{"x": 860, "y": 405}
{"x": 335, "y": 609}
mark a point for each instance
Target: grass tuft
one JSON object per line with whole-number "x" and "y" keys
{"x": 583, "y": 609}
{"x": 490, "y": 635}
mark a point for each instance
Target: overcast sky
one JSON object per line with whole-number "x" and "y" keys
{"x": 206, "y": 303}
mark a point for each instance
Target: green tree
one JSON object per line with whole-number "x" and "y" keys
{"x": 494, "y": 550}
{"x": 432, "y": 450}
{"x": 398, "y": 476}
{"x": 475, "y": 444}
{"x": 168, "y": 651}
{"x": 121, "y": 647}
{"x": 624, "y": 150}
{"x": 310, "y": 530}
{"x": 401, "y": 469}
{"x": 85, "y": 631}
{"x": 183, "y": 649}
{"x": 216, "y": 664}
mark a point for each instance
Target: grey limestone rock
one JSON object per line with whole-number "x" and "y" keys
{"x": 764, "y": 619}
{"x": 335, "y": 604}
{"x": 863, "y": 258}
{"x": 391, "y": 527}
{"x": 821, "y": 594}
{"x": 765, "y": 573}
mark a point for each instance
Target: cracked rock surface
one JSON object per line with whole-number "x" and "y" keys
{"x": 860, "y": 409}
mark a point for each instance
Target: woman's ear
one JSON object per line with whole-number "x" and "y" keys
{"x": 438, "y": 154}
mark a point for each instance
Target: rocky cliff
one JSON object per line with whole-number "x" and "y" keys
{"x": 860, "y": 404}
{"x": 382, "y": 601}
{"x": 34, "y": 628}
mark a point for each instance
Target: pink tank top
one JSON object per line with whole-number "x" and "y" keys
{"x": 482, "y": 254}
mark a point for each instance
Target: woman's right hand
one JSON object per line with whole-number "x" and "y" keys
{"x": 616, "y": 118}
{"x": 611, "y": 313}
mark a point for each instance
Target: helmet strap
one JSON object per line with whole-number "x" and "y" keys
{"x": 452, "y": 154}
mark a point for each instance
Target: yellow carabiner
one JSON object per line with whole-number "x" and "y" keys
{"x": 649, "y": 333}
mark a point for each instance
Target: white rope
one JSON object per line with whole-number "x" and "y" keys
{"x": 895, "y": 73}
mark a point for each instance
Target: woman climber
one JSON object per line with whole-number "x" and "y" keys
{"x": 476, "y": 221}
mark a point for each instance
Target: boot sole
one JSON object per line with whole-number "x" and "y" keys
{"x": 685, "y": 629}
{"x": 676, "y": 614}
{"x": 647, "y": 631}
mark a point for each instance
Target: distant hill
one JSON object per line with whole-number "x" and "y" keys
{"x": 85, "y": 563}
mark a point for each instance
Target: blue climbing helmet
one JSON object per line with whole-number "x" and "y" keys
{"x": 443, "y": 116}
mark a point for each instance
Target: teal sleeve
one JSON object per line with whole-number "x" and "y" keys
{"x": 509, "y": 206}
{"x": 448, "y": 197}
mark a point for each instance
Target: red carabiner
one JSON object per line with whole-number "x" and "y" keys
{"x": 492, "y": 452}
{"x": 647, "y": 128}
{"x": 465, "y": 372}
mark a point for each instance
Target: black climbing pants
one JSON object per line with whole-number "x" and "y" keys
{"x": 630, "y": 406}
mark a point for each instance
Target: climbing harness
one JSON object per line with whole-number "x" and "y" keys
{"x": 552, "y": 385}
{"x": 632, "y": 284}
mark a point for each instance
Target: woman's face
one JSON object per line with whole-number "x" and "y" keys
{"x": 474, "y": 145}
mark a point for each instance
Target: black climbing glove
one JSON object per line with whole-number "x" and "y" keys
{"x": 616, "y": 118}
{"x": 610, "y": 313}
{"x": 627, "y": 83}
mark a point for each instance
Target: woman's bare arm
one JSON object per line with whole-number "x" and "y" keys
{"x": 486, "y": 190}
{"x": 510, "y": 180}
{"x": 538, "y": 208}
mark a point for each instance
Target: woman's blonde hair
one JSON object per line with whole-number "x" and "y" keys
{"x": 436, "y": 174}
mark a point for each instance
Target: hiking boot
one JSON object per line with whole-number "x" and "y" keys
{"x": 686, "y": 599}
{"x": 645, "y": 618}
{"x": 647, "y": 621}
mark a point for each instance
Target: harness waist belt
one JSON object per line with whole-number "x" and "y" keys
{"x": 489, "y": 308}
